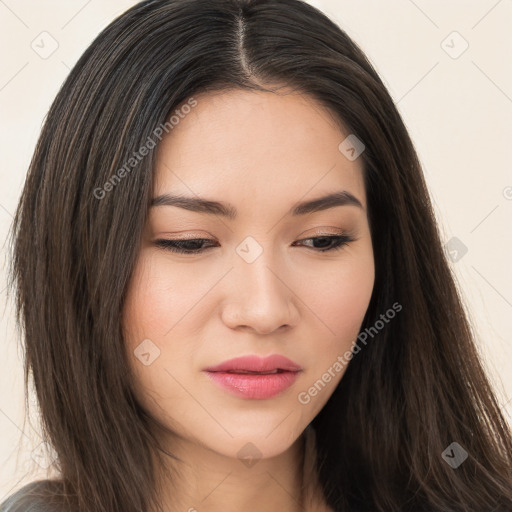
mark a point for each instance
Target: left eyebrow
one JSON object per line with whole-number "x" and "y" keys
{"x": 210, "y": 207}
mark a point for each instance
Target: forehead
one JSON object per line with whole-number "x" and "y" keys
{"x": 244, "y": 146}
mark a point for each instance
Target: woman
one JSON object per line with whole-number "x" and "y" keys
{"x": 232, "y": 284}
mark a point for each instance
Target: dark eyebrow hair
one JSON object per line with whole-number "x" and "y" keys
{"x": 196, "y": 204}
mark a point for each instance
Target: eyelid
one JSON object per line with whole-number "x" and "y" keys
{"x": 180, "y": 235}
{"x": 323, "y": 231}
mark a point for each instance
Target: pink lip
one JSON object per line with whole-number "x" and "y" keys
{"x": 255, "y": 386}
{"x": 256, "y": 364}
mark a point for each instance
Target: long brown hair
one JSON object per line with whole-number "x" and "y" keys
{"x": 415, "y": 389}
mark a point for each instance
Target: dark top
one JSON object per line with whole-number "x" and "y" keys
{"x": 31, "y": 498}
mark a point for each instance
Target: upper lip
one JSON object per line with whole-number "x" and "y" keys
{"x": 255, "y": 363}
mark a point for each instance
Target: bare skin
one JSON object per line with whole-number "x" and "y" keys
{"x": 262, "y": 153}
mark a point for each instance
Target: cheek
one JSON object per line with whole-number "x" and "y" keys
{"x": 152, "y": 307}
{"x": 339, "y": 295}
{"x": 156, "y": 300}
{"x": 339, "y": 298}
{"x": 345, "y": 302}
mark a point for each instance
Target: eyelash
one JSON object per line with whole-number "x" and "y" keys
{"x": 177, "y": 246}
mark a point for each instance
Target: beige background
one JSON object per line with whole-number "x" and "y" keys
{"x": 456, "y": 102}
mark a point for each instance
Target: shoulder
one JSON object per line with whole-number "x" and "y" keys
{"x": 33, "y": 497}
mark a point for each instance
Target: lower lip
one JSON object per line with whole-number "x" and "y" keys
{"x": 254, "y": 386}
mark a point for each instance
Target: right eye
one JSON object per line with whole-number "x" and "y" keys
{"x": 185, "y": 246}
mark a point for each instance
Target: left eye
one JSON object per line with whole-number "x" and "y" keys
{"x": 194, "y": 245}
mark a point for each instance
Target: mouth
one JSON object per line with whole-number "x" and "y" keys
{"x": 248, "y": 372}
{"x": 253, "y": 377}
{"x": 255, "y": 364}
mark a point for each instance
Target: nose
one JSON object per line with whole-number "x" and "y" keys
{"x": 262, "y": 300}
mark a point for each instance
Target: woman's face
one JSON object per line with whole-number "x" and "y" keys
{"x": 261, "y": 285}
